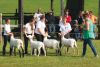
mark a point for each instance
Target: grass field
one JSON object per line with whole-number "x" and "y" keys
{"x": 33, "y": 5}
{"x": 66, "y": 60}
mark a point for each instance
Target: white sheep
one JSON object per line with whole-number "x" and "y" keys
{"x": 51, "y": 43}
{"x": 16, "y": 43}
{"x": 36, "y": 45}
{"x": 69, "y": 43}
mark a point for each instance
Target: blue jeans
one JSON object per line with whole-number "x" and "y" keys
{"x": 89, "y": 42}
{"x": 6, "y": 39}
{"x": 51, "y": 28}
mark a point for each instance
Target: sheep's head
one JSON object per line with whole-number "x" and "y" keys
{"x": 11, "y": 35}
{"x": 30, "y": 36}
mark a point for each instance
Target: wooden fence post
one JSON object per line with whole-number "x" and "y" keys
{"x": 1, "y": 28}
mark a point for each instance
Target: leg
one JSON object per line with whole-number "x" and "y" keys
{"x": 39, "y": 51}
{"x": 35, "y": 52}
{"x": 15, "y": 51}
{"x": 11, "y": 49}
{"x": 92, "y": 47}
{"x": 84, "y": 47}
{"x": 4, "y": 46}
{"x": 26, "y": 44}
{"x": 22, "y": 52}
{"x": 44, "y": 51}
{"x": 19, "y": 53}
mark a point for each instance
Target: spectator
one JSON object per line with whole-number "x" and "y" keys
{"x": 68, "y": 17}
{"x": 65, "y": 28}
{"x": 94, "y": 20}
{"x": 80, "y": 22}
{"x": 51, "y": 22}
{"x": 37, "y": 15}
{"x": 29, "y": 30}
{"x": 7, "y": 32}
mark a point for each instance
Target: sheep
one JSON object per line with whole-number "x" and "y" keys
{"x": 36, "y": 45}
{"x": 51, "y": 43}
{"x": 69, "y": 43}
{"x": 16, "y": 43}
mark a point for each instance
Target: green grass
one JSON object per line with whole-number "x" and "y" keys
{"x": 32, "y": 6}
{"x": 66, "y": 60}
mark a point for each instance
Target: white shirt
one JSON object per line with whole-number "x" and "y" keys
{"x": 7, "y": 29}
{"x": 65, "y": 28}
{"x": 41, "y": 25}
{"x": 28, "y": 29}
{"x": 37, "y": 16}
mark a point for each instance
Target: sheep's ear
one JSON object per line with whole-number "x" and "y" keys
{"x": 48, "y": 36}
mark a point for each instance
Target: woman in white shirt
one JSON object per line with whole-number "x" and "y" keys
{"x": 29, "y": 30}
{"x": 7, "y": 32}
{"x": 65, "y": 28}
{"x": 40, "y": 31}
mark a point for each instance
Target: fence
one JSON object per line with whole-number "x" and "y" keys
{"x": 1, "y": 28}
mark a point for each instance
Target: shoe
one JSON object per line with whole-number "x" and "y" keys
{"x": 97, "y": 56}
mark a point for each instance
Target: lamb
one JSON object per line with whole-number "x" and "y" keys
{"x": 69, "y": 43}
{"x": 51, "y": 43}
{"x": 36, "y": 45}
{"x": 16, "y": 43}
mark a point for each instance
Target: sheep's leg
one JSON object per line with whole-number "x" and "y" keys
{"x": 67, "y": 50}
{"x": 22, "y": 52}
{"x": 15, "y": 51}
{"x": 77, "y": 51}
{"x": 19, "y": 53}
{"x": 59, "y": 51}
{"x": 39, "y": 49}
{"x": 44, "y": 51}
{"x": 73, "y": 51}
{"x": 11, "y": 51}
{"x": 35, "y": 52}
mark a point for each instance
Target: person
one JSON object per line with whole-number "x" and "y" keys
{"x": 68, "y": 17}
{"x": 65, "y": 28}
{"x": 51, "y": 22}
{"x": 29, "y": 30}
{"x": 38, "y": 14}
{"x": 94, "y": 20}
{"x": 88, "y": 35}
{"x": 7, "y": 32}
{"x": 80, "y": 22}
{"x": 40, "y": 31}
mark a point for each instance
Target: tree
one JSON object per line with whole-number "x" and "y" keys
{"x": 74, "y": 6}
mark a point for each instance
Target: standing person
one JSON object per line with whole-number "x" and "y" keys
{"x": 29, "y": 30}
{"x": 7, "y": 32}
{"x": 94, "y": 20}
{"x": 88, "y": 35}
{"x": 40, "y": 29}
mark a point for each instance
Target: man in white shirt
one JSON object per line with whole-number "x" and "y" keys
{"x": 7, "y": 32}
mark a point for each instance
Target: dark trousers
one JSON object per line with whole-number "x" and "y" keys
{"x": 6, "y": 38}
{"x": 26, "y": 44}
{"x": 89, "y": 42}
{"x": 40, "y": 38}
